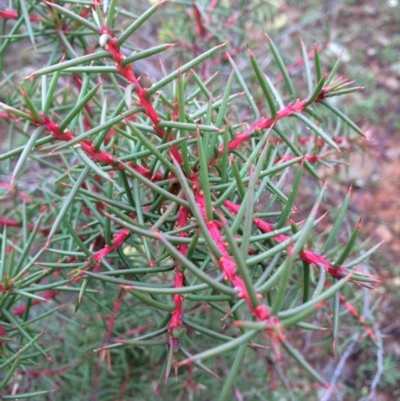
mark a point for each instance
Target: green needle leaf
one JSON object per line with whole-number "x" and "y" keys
{"x": 335, "y": 326}
{"x": 233, "y": 372}
{"x": 195, "y": 270}
{"x": 74, "y": 17}
{"x": 307, "y": 68}
{"x": 298, "y": 357}
{"x": 349, "y": 246}
{"x": 25, "y": 153}
{"x": 299, "y": 313}
{"x": 79, "y": 107}
{"x": 27, "y": 21}
{"x": 363, "y": 257}
{"x": 338, "y": 222}
{"x": 317, "y": 130}
{"x": 204, "y": 182}
{"x": 67, "y": 203}
{"x": 241, "y": 266}
{"x": 151, "y": 147}
{"x": 151, "y": 302}
{"x": 146, "y": 53}
{"x": 317, "y": 62}
{"x": 138, "y": 23}
{"x": 69, "y": 63}
{"x": 343, "y": 117}
{"x": 317, "y": 91}
{"x": 216, "y": 351}
{"x": 292, "y": 197}
{"x": 264, "y": 85}
{"x": 282, "y": 68}
{"x": 186, "y": 67}
{"x": 245, "y": 88}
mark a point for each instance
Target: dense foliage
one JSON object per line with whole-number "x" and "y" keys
{"x": 152, "y": 219}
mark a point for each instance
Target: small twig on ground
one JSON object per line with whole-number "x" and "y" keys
{"x": 339, "y": 367}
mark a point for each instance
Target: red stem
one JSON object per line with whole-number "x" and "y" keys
{"x": 176, "y": 318}
{"x": 119, "y": 238}
{"x": 199, "y": 21}
{"x": 89, "y": 148}
{"x": 306, "y": 255}
{"x": 111, "y": 322}
{"x": 18, "y": 311}
{"x": 226, "y": 263}
{"x": 14, "y": 223}
{"x": 10, "y": 14}
{"x": 128, "y": 74}
{"x": 297, "y": 107}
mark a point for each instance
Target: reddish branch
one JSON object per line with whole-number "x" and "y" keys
{"x": 297, "y": 107}
{"x": 86, "y": 145}
{"x": 199, "y": 21}
{"x": 94, "y": 261}
{"x": 86, "y": 12}
{"x": 354, "y": 312}
{"x": 228, "y": 266}
{"x": 6, "y": 116}
{"x": 10, "y": 14}
{"x": 127, "y": 72}
{"x": 226, "y": 263}
{"x": 14, "y": 223}
{"x": 3, "y": 334}
{"x": 18, "y": 311}
{"x": 212, "y": 5}
{"x": 89, "y": 148}
{"x": 306, "y": 255}
{"x": 176, "y": 318}
{"x": 111, "y": 322}
{"x": 118, "y": 239}
{"x": 24, "y": 197}
{"x": 47, "y": 372}
{"x": 308, "y": 157}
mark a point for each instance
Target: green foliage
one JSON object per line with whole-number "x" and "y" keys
{"x": 390, "y": 374}
{"x": 150, "y": 226}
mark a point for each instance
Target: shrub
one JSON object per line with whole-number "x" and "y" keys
{"x": 167, "y": 210}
